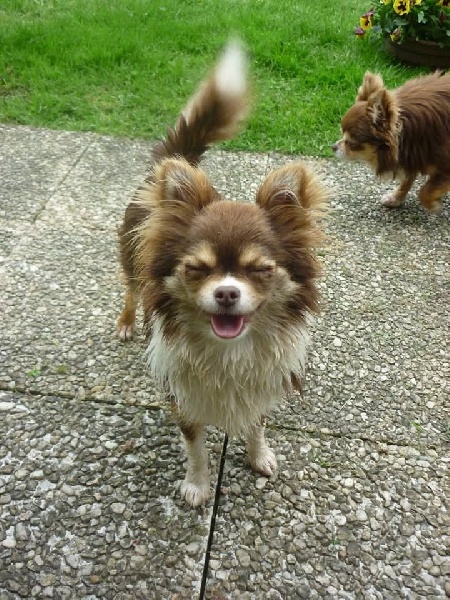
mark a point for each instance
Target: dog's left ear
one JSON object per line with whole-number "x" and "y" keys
{"x": 383, "y": 109}
{"x": 293, "y": 199}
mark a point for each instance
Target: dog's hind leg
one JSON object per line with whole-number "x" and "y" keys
{"x": 195, "y": 487}
{"x": 397, "y": 197}
{"x": 431, "y": 193}
{"x": 262, "y": 458}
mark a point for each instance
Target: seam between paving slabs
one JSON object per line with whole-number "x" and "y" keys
{"x": 307, "y": 431}
{"x": 212, "y": 526}
{"x": 58, "y": 184}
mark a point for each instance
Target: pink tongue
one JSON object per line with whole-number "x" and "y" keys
{"x": 227, "y": 326}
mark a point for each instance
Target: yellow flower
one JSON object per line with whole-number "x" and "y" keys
{"x": 396, "y": 35}
{"x": 415, "y": 2}
{"x": 365, "y": 21}
{"x": 402, "y": 7}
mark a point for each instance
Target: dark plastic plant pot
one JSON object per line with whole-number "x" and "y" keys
{"x": 420, "y": 52}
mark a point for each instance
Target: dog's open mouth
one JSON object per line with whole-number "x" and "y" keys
{"x": 227, "y": 326}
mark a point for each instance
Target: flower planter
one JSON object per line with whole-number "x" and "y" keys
{"x": 420, "y": 52}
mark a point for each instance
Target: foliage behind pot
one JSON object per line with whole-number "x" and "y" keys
{"x": 407, "y": 20}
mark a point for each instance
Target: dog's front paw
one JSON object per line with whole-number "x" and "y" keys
{"x": 435, "y": 207}
{"x": 125, "y": 332}
{"x": 264, "y": 461}
{"x": 391, "y": 200}
{"x": 195, "y": 494}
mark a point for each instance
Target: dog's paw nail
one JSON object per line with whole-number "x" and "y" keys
{"x": 195, "y": 494}
{"x": 265, "y": 463}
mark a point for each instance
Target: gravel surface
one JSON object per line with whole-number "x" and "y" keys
{"x": 90, "y": 458}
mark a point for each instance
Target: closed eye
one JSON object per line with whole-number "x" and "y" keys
{"x": 352, "y": 145}
{"x": 266, "y": 270}
{"x": 197, "y": 268}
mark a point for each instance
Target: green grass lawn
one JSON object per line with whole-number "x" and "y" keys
{"x": 125, "y": 67}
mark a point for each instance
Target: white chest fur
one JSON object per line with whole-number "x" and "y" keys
{"x": 227, "y": 383}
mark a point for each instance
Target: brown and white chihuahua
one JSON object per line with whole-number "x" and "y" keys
{"x": 227, "y": 287}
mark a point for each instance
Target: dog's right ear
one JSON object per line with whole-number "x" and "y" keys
{"x": 383, "y": 110}
{"x": 371, "y": 84}
{"x": 174, "y": 195}
{"x": 176, "y": 181}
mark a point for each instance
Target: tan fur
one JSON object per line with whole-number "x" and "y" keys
{"x": 371, "y": 83}
{"x": 402, "y": 133}
{"x": 228, "y": 288}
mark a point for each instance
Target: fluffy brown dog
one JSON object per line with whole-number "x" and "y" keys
{"x": 227, "y": 288}
{"x": 402, "y": 133}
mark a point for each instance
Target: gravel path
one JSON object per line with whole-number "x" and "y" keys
{"x": 90, "y": 459}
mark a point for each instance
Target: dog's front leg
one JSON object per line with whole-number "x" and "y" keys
{"x": 195, "y": 487}
{"x": 261, "y": 457}
{"x": 126, "y": 322}
{"x": 397, "y": 197}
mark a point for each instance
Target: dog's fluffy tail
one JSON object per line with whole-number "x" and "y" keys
{"x": 215, "y": 111}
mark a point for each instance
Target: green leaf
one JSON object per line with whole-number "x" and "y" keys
{"x": 421, "y": 18}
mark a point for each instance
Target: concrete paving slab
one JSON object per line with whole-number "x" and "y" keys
{"x": 97, "y": 189}
{"x": 33, "y": 163}
{"x": 344, "y": 518}
{"x": 380, "y": 362}
{"x": 61, "y": 296}
{"x": 89, "y": 506}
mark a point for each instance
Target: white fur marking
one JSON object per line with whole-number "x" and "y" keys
{"x": 195, "y": 487}
{"x": 229, "y": 385}
{"x": 262, "y": 458}
{"x": 231, "y": 72}
{"x": 391, "y": 200}
{"x": 339, "y": 153}
{"x": 195, "y": 494}
{"x": 246, "y": 304}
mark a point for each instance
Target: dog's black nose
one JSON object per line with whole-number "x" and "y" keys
{"x": 335, "y": 147}
{"x": 227, "y": 295}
